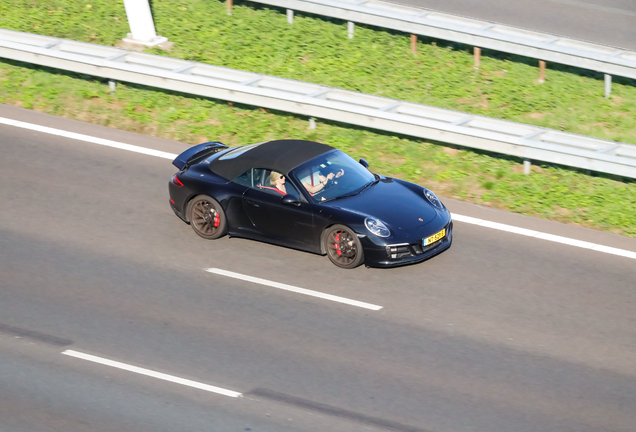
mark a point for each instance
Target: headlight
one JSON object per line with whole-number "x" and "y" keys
{"x": 432, "y": 198}
{"x": 377, "y": 227}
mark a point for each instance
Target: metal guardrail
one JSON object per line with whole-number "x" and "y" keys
{"x": 312, "y": 100}
{"x": 473, "y": 32}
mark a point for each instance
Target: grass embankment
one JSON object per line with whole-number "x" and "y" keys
{"x": 375, "y": 62}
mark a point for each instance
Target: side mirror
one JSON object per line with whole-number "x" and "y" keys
{"x": 364, "y": 163}
{"x": 290, "y": 199}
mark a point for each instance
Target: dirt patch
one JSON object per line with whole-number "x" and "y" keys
{"x": 86, "y": 116}
{"x": 479, "y": 102}
{"x": 394, "y": 160}
{"x": 536, "y": 115}
{"x": 117, "y": 105}
{"x": 96, "y": 100}
{"x": 533, "y": 168}
{"x": 617, "y": 100}
{"x": 517, "y": 168}
{"x": 561, "y": 211}
{"x": 150, "y": 130}
{"x": 451, "y": 151}
{"x": 214, "y": 122}
{"x": 483, "y": 101}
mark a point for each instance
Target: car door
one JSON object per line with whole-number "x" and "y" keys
{"x": 289, "y": 224}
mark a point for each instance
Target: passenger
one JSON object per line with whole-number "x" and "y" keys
{"x": 278, "y": 180}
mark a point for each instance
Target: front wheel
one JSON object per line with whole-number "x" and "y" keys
{"x": 343, "y": 247}
{"x": 206, "y": 217}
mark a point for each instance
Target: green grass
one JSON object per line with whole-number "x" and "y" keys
{"x": 374, "y": 61}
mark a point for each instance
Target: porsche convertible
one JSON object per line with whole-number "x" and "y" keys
{"x": 308, "y": 196}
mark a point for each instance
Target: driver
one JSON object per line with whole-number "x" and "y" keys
{"x": 325, "y": 176}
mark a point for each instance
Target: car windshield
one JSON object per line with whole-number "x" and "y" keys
{"x": 332, "y": 175}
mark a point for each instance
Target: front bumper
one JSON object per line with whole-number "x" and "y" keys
{"x": 403, "y": 254}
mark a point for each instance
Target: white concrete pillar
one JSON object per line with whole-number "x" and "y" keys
{"x": 142, "y": 27}
{"x": 527, "y": 166}
{"x": 608, "y": 85}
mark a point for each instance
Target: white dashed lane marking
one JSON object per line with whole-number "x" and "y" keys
{"x": 294, "y": 289}
{"x": 544, "y": 236}
{"x": 88, "y": 138}
{"x": 151, "y": 373}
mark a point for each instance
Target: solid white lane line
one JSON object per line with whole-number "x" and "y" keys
{"x": 151, "y": 373}
{"x": 544, "y": 236}
{"x": 87, "y": 138}
{"x": 294, "y": 289}
{"x": 460, "y": 218}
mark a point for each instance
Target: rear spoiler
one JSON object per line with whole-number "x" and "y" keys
{"x": 197, "y": 153}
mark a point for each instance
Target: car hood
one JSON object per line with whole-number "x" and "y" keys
{"x": 393, "y": 203}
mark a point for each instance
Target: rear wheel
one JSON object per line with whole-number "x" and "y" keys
{"x": 343, "y": 247}
{"x": 207, "y": 217}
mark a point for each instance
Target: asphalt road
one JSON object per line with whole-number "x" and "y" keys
{"x": 608, "y": 22}
{"x": 500, "y": 333}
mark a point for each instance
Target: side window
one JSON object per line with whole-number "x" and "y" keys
{"x": 291, "y": 189}
{"x": 263, "y": 181}
{"x": 273, "y": 182}
{"x": 245, "y": 179}
{"x": 261, "y": 177}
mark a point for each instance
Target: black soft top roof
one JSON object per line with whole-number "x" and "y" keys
{"x": 281, "y": 155}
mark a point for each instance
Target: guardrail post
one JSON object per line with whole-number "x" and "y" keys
{"x": 541, "y": 71}
{"x": 312, "y": 123}
{"x": 477, "y": 55}
{"x": 290, "y": 16}
{"x": 142, "y": 26}
{"x": 608, "y": 85}
{"x": 112, "y": 84}
{"x": 414, "y": 44}
{"x": 527, "y": 165}
{"x": 350, "y": 28}
{"x": 229, "y": 7}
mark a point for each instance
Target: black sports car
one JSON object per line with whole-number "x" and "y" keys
{"x": 309, "y": 196}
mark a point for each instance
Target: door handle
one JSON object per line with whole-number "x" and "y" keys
{"x": 252, "y": 203}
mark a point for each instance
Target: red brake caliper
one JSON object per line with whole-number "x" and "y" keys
{"x": 217, "y": 220}
{"x": 337, "y": 244}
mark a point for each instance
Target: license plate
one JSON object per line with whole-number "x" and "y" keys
{"x": 434, "y": 237}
